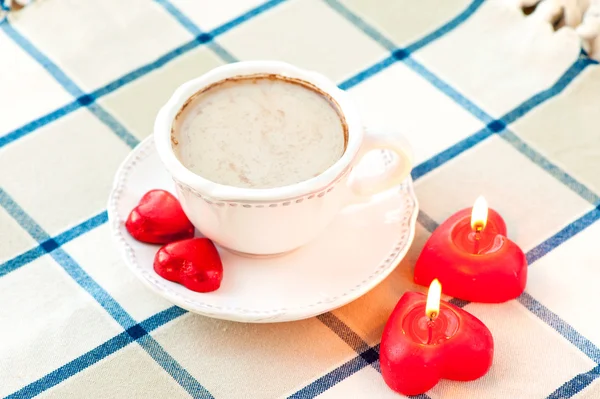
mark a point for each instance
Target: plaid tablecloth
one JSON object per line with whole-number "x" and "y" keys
{"x": 494, "y": 103}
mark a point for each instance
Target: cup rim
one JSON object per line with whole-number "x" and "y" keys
{"x": 166, "y": 115}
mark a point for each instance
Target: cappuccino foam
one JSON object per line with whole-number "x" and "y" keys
{"x": 259, "y": 132}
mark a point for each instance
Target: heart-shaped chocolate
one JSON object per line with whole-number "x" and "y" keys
{"x": 159, "y": 219}
{"x": 462, "y": 350}
{"x": 490, "y": 268}
{"x": 195, "y": 263}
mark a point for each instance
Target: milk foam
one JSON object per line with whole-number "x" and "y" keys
{"x": 259, "y": 132}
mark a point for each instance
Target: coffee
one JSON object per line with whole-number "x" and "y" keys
{"x": 259, "y": 131}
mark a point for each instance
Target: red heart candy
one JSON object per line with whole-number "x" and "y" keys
{"x": 159, "y": 219}
{"x": 411, "y": 367}
{"x": 496, "y": 274}
{"x": 195, "y": 263}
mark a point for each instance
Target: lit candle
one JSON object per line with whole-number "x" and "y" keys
{"x": 471, "y": 255}
{"x": 426, "y": 339}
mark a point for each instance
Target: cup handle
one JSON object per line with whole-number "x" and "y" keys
{"x": 364, "y": 187}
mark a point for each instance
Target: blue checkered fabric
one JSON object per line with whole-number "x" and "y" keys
{"x": 494, "y": 103}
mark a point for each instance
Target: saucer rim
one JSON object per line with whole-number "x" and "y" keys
{"x": 143, "y": 150}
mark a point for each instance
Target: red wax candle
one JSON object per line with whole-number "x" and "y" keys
{"x": 421, "y": 345}
{"x": 470, "y": 254}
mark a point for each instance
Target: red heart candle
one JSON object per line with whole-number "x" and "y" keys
{"x": 159, "y": 219}
{"x": 194, "y": 263}
{"x": 426, "y": 339}
{"x": 470, "y": 254}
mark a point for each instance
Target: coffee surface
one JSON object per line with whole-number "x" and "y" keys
{"x": 259, "y": 132}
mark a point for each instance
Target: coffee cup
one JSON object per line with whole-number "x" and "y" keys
{"x": 277, "y": 219}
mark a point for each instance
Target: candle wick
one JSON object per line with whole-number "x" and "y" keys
{"x": 430, "y": 335}
{"x": 477, "y": 240}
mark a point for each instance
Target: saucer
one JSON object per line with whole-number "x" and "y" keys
{"x": 362, "y": 246}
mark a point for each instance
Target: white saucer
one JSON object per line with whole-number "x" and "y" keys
{"x": 356, "y": 252}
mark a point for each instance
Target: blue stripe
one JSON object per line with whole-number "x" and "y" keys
{"x": 334, "y": 377}
{"x": 153, "y": 348}
{"x": 24, "y": 220}
{"x": 102, "y": 297}
{"x": 434, "y": 162}
{"x": 144, "y": 70}
{"x": 38, "y": 123}
{"x": 493, "y": 126}
{"x": 161, "y": 318}
{"x": 203, "y": 38}
{"x": 398, "y": 54}
{"x": 245, "y": 17}
{"x": 563, "y": 328}
{"x": 446, "y": 28}
{"x": 579, "y": 382}
{"x": 51, "y": 244}
{"x": 344, "y": 332}
{"x": 82, "y": 228}
{"x": 73, "y": 367}
{"x": 560, "y": 175}
{"x": 362, "y": 25}
{"x": 93, "y": 288}
{"x": 179, "y": 374}
{"x": 221, "y": 52}
{"x": 114, "y": 125}
{"x": 426, "y": 221}
{"x": 149, "y": 344}
{"x": 563, "y": 235}
{"x": 499, "y": 126}
{"x": 180, "y": 17}
{"x": 95, "y": 355}
{"x": 576, "y": 385}
{"x": 191, "y": 27}
{"x": 44, "y": 61}
{"x": 352, "y": 339}
{"x": 331, "y": 379}
{"x": 367, "y": 73}
{"x": 21, "y": 260}
{"x": 138, "y": 73}
{"x": 448, "y": 90}
{"x": 568, "y": 76}
{"x": 461, "y": 303}
{"x": 366, "y": 356}
{"x": 69, "y": 85}
{"x": 404, "y": 55}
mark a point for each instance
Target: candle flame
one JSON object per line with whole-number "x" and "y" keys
{"x": 432, "y": 308}
{"x": 479, "y": 214}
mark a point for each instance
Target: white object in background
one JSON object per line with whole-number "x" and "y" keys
{"x": 362, "y": 246}
{"x": 589, "y": 30}
{"x": 7, "y": 6}
{"x": 571, "y": 11}
{"x": 581, "y": 15}
{"x": 548, "y": 11}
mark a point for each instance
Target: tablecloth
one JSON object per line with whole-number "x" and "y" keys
{"x": 494, "y": 102}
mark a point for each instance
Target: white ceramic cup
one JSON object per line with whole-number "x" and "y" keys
{"x": 277, "y": 220}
